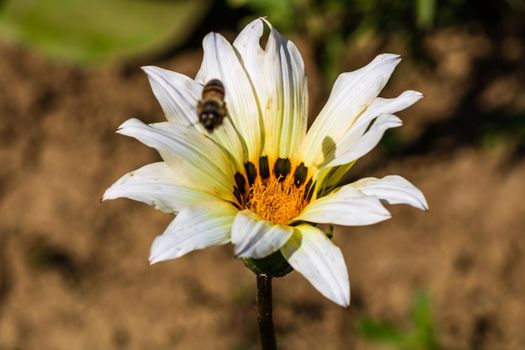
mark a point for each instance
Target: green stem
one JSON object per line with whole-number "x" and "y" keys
{"x": 264, "y": 312}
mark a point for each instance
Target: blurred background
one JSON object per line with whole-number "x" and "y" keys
{"x": 74, "y": 272}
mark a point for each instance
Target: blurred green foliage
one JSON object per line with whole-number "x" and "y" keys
{"x": 501, "y": 126}
{"x": 99, "y": 30}
{"x": 420, "y": 336}
{"x": 102, "y": 30}
{"x": 425, "y": 12}
{"x": 330, "y": 25}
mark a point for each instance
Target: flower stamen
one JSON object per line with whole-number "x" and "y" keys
{"x": 276, "y": 201}
{"x": 278, "y": 196}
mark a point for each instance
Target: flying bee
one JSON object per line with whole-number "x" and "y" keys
{"x": 211, "y": 108}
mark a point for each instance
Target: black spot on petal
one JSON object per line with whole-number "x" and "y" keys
{"x": 240, "y": 181}
{"x": 237, "y": 194}
{"x": 300, "y": 174}
{"x": 251, "y": 172}
{"x": 282, "y": 167}
{"x": 264, "y": 167}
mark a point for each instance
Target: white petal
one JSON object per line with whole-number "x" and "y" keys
{"x": 177, "y": 95}
{"x": 195, "y": 159}
{"x": 280, "y": 81}
{"x": 252, "y": 55}
{"x": 348, "y": 141}
{"x": 221, "y": 62}
{"x": 155, "y": 184}
{"x": 351, "y": 95}
{"x": 392, "y": 189}
{"x": 345, "y": 206}
{"x": 287, "y": 122}
{"x": 196, "y": 227}
{"x": 314, "y": 256}
{"x": 347, "y": 144}
{"x": 257, "y": 238}
{"x": 358, "y": 147}
{"x": 390, "y": 105}
{"x": 379, "y": 106}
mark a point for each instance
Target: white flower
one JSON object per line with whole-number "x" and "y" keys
{"x": 259, "y": 180}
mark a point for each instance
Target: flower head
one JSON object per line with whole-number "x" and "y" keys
{"x": 260, "y": 180}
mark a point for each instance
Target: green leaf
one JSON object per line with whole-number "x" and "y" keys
{"x": 380, "y": 331}
{"x": 420, "y": 336}
{"x": 99, "y": 30}
{"x": 424, "y": 333}
{"x": 330, "y": 232}
{"x": 425, "y": 13}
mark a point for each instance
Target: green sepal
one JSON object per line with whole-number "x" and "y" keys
{"x": 330, "y": 232}
{"x": 274, "y": 265}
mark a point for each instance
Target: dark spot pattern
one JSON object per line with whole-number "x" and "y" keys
{"x": 251, "y": 172}
{"x": 240, "y": 181}
{"x": 300, "y": 174}
{"x": 282, "y": 168}
{"x": 264, "y": 167}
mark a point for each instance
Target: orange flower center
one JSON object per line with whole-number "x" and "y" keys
{"x": 276, "y": 192}
{"x": 276, "y": 201}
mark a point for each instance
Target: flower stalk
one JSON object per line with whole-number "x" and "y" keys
{"x": 264, "y": 312}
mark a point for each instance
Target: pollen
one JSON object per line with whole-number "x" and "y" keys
{"x": 276, "y": 200}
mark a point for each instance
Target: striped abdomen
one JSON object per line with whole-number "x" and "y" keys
{"x": 211, "y": 109}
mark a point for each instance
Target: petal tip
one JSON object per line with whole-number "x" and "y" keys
{"x": 127, "y": 124}
{"x": 342, "y": 300}
{"x": 394, "y": 58}
{"x": 210, "y": 36}
{"x": 346, "y": 302}
{"x": 422, "y": 201}
{"x": 155, "y": 255}
{"x": 108, "y": 195}
{"x": 413, "y": 93}
{"x": 155, "y": 72}
{"x": 150, "y": 71}
{"x": 384, "y": 214}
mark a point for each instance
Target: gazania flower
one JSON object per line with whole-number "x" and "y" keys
{"x": 260, "y": 180}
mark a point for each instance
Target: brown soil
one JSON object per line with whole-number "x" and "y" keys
{"x": 74, "y": 272}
